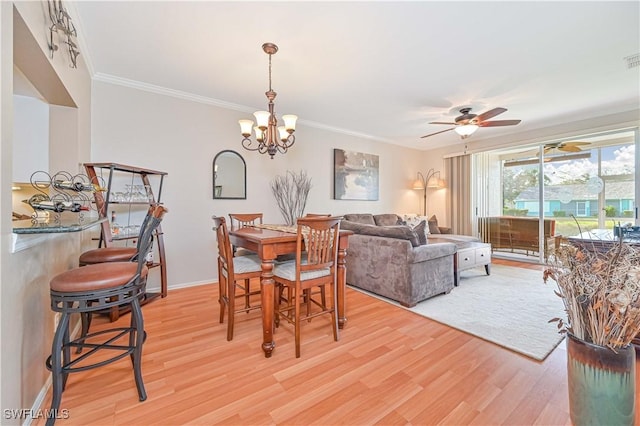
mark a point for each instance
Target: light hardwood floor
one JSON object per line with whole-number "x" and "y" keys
{"x": 390, "y": 367}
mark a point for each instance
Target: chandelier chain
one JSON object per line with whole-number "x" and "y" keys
{"x": 270, "y": 73}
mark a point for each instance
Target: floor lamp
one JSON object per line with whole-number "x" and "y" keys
{"x": 431, "y": 180}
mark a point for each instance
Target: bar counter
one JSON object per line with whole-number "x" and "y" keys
{"x": 28, "y": 233}
{"x": 65, "y": 224}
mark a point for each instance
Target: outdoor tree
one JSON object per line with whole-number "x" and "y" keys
{"x": 517, "y": 179}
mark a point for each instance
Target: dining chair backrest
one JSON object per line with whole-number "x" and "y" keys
{"x": 225, "y": 253}
{"x": 317, "y": 243}
{"x": 239, "y": 220}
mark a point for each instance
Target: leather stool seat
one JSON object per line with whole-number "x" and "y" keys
{"x": 96, "y": 277}
{"x": 108, "y": 254}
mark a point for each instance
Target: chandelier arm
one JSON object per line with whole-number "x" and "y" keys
{"x": 247, "y": 144}
{"x": 282, "y": 149}
{"x": 291, "y": 139}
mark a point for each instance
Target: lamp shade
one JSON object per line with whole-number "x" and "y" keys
{"x": 290, "y": 121}
{"x": 262, "y": 119}
{"x": 418, "y": 184}
{"x": 259, "y": 133}
{"x": 283, "y": 133}
{"x": 245, "y": 127}
{"x": 466, "y": 129}
{"x": 434, "y": 182}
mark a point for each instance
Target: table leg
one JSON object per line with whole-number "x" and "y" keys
{"x": 342, "y": 279}
{"x": 267, "y": 285}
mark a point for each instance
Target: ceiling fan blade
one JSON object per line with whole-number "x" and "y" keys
{"x": 569, "y": 148}
{"x": 442, "y": 122}
{"x": 497, "y": 123}
{"x": 436, "y": 133}
{"x": 490, "y": 114}
{"x": 575, "y": 143}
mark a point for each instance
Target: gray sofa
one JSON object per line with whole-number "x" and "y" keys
{"x": 386, "y": 258}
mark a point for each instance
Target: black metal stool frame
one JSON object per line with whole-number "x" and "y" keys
{"x": 67, "y": 303}
{"x": 60, "y": 363}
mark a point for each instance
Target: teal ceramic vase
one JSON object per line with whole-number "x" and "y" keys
{"x": 602, "y": 383}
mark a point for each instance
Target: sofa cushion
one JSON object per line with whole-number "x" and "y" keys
{"x": 401, "y": 232}
{"x": 389, "y": 219}
{"x": 421, "y": 231}
{"x": 452, "y": 238}
{"x": 433, "y": 225}
{"x": 366, "y": 218}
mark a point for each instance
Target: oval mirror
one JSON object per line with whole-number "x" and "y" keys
{"x": 229, "y": 176}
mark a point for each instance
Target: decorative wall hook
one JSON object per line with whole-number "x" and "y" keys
{"x": 61, "y": 24}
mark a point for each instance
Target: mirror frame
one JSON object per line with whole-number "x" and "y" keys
{"x": 213, "y": 174}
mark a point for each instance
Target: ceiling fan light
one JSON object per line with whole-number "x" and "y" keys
{"x": 466, "y": 130}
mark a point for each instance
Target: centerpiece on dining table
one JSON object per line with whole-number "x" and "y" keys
{"x": 291, "y": 192}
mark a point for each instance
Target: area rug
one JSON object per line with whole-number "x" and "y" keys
{"x": 511, "y": 308}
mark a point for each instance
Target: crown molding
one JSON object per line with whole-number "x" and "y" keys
{"x": 111, "y": 79}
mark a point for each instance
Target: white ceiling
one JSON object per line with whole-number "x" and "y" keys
{"x": 382, "y": 70}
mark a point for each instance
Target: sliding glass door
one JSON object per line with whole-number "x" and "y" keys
{"x": 532, "y": 198}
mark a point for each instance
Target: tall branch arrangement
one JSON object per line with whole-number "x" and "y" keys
{"x": 600, "y": 291}
{"x": 291, "y": 191}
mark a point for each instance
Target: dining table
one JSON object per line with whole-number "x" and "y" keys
{"x": 269, "y": 242}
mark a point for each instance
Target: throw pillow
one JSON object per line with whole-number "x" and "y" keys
{"x": 433, "y": 225}
{"x": 366, "y": 218}
{"x": 421, "y": 231}
{"x": 400, "y": 232}
{"x": 413, "y": 220}
{"x": 388, "y": 219}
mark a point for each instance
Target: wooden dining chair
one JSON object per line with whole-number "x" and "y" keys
{"x": 240, "y": 220}
{"x": 315, "y": 266}
{"x": 234, "y": 272}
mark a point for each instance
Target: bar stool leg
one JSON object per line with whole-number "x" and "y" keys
{"x": 57, "y": 365}
{"x": 137, "y": 324}
{"x": 85, "y": 320}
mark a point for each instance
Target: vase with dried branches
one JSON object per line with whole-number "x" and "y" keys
{"x": 600, "y": 287}
{"x": 291, "y": 191}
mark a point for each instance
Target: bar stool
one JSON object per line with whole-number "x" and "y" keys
{"x": 96, "y": 288}
{"x": 110, "y": 254}
{"x": 114, "y": 254}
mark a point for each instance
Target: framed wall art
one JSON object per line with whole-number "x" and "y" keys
{"x": 355, "y": 175}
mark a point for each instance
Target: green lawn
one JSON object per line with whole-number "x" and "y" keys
{"x": 568, "y": 226}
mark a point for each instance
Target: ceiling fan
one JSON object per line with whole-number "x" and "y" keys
{"x": 467, "y": 123}
{"x": 570, "y": 146}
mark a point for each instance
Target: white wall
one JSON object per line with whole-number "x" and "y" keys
{"x": 182, "y": 137}
{"x": 26, "y": 318}
{"x": 31, "y": 135}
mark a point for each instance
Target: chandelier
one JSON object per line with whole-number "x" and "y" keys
{"x": 269, "y": 137}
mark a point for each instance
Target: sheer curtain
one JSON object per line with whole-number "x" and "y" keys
{"x": 459, "y": 201}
